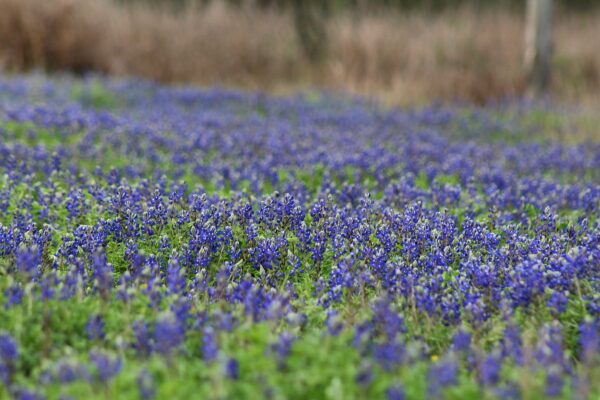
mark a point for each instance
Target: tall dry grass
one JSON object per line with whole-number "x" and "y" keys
{"x": 401, "y": 58}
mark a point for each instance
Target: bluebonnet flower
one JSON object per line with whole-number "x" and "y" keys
{"x": 168, "y": 335}
{"x": 461, "y": 342}
{"x": 48, "y": 286}
{"x": 558, "y": 302}
{"x": 489, "y": 370}
{"x": 508, "y": 392}
{"x": 14, "y": 295}
{"x": 334, "y": 323}
{"x": 232, "y": 369}
{"x": 390, "y": 322}
{"x": 106, "y": 367}
{"x": 282, "y": 348}
{"x": 142, "y": 340}
{"x": 103, "y": 275}
{"x": 176, "y": 281}
{"x": 589, "y": 339}
{"x": 26, "y": 394}
{"x": 28, "y": 261}
{"x": 512, "y": 345}
{"x": 95, "y": 327}
{"x": 9, "y": 354}
{"x": 75, "y": 204}
{"x": 389, "y": 355}
{"x": 364, "y": 377}
{"x": 8, "y": 349}
{"x": 68, "y": 372}
{"x": 554, "y": 384}
{"x": 5, "y": 373}
{"x": 210, "y": 347}
{"x": 442, "y": 375}
{"x": 395, "y": 392}
{"x": 146, "y": 385}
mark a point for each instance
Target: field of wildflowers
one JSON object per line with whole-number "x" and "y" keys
{"x": 173, "y": 243}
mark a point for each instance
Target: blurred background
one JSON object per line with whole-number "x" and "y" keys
{"x": 398, "y": 51}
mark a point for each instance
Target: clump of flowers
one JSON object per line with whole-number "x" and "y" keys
{"x": 191, "y": 244}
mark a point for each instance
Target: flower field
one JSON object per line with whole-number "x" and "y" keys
{"x": 173, "y": 243}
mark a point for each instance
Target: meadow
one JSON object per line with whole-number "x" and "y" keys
{"x": 165, "y": 242}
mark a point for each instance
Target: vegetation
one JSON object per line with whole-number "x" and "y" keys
{"x": 343, "y": 5}
{"x": 466, "y": 53}
{"x": 161, "y": 242}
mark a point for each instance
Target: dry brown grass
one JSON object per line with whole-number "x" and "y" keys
{"x": 417, "y": 56}
{"x": 52, "y": 34}
{"x": 399, "y": 58}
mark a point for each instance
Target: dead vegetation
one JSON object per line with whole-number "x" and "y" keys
{"x": 400, "y": 58}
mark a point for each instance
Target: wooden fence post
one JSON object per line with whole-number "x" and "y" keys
{"x": 538, "y": 45}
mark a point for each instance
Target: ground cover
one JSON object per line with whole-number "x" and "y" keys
{"x": 161, "y": 242}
